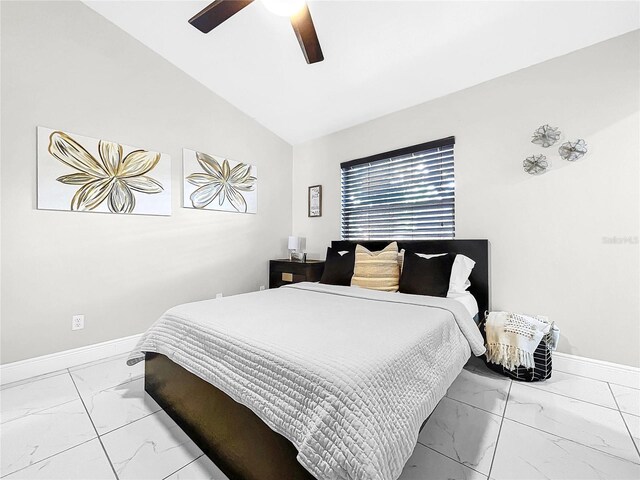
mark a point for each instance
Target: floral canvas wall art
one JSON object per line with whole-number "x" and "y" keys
{"x": 216, "y": 183}
{"x": 78, "y": 173}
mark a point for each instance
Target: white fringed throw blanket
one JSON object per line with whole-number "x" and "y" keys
{"x": 512, "y": 338}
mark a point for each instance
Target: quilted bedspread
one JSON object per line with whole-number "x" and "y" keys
{"x": 348, "y": 375}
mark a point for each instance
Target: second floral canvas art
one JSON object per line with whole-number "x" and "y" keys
{"x": 216, "y": 183}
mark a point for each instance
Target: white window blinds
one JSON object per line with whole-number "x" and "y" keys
{"x": 406, "y": 194}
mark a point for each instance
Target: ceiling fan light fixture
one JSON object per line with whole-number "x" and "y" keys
{"x": 220, "y": 11}
{"x": 284, "y": 8}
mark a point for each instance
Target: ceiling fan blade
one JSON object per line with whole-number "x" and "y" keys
{"x": 307, "y": 37}
{"x": 216, "y": 13}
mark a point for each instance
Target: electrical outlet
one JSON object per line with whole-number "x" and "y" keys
{"x": 77, "y": 322}
{"x": 261, "y": 287}
{"x": 218, "y": 295}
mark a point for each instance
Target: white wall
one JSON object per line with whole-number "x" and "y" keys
{"x": 66, "y": 67}
{"x": 546, "y": 232}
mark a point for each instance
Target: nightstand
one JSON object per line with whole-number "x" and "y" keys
{"x": 284, "y": 272}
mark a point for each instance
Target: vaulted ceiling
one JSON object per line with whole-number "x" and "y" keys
{"x": 380, "y": 56}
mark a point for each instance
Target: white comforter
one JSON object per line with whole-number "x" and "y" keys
{"x": 348, "y": 375}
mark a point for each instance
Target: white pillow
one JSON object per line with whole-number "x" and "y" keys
{"x": 460, "y": 271}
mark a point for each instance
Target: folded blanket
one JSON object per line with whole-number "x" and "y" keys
{"x": 512, "y": 338}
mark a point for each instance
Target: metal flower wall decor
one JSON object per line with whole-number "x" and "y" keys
{"x": 535, "y": 164}
{"x": 572, "y": 151}
{"x": 109, "y": 181}
{"x": 546, "y": 136}
{"x": 218, "y": 183}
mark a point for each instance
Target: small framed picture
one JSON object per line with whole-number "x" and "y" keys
{"x": 315, "y": 201}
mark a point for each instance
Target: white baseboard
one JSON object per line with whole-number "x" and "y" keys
{"x": 12, "y": 372}
{"x": 597, "y": 369}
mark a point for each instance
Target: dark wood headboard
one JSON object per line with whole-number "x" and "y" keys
{"x": 477, "y": 250}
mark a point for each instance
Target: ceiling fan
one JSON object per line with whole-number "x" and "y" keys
{"x": 220, "y": 10}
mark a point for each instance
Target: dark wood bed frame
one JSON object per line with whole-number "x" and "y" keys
{"x": 234, "y": 437}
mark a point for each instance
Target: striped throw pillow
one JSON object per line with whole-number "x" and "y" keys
{"x": 377, "y": 270}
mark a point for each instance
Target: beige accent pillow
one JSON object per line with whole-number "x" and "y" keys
{"x": 377, "y": 270}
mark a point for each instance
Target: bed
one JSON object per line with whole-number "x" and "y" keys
{"x": 310, "y": 380}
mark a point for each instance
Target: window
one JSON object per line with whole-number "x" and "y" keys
{"x": 406, "y": 194}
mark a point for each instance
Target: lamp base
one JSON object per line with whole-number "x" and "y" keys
{"x": 297, "y": 257}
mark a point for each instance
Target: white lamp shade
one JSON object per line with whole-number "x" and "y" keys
{"x": 294, "y": 243}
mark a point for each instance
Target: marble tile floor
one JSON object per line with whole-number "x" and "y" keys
{"x": 95, "y": 421}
